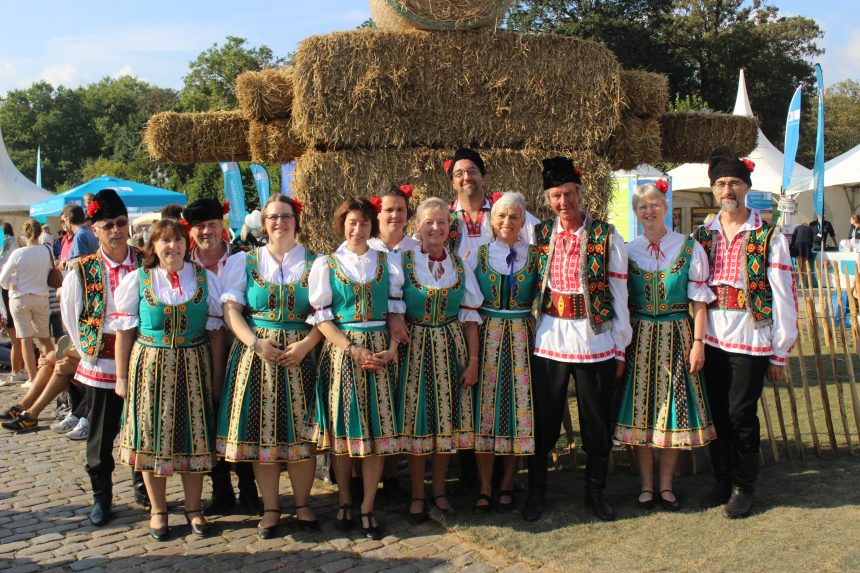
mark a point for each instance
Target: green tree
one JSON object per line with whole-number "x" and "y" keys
{"x": 210, "y": 83}
{"x": 841, "y": 118}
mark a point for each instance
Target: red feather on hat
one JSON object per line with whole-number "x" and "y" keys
{"x": 225, "y": 208}
{"x": 92, "y": 208}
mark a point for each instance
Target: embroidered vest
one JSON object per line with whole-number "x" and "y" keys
{"x": 91, "y": 273}
{"x": 661, "y": 294}
{"x": 431, "y": 306}
{"x": 359, "y": 302}
{"x": 172, "y": 325}
{"x": 593, "y": 269}
{"x": 453, "y": 242}
{"x": 759, "y": 294}
{"x": 273, "y": 305}
{"x": 499, "y": 292}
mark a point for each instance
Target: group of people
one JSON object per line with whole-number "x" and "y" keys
{"x": 462, "y": 337}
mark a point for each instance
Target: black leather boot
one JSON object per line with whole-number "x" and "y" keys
{"x": 596, "y": 469}
{"x": 102, "y": 487}
{"x": 248, "y": 497}
{"x": 745, "y": 473}
{"x": 223, "y": 497}
{"x": 140, "y": 495}
{"x": 739, "y": 504}
{"x": 721, "y": 461}
{"x": 533, "y": 508}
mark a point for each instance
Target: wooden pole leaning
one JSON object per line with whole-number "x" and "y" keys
{"x": 849, "y": 364}
{"x": 774, "y": 448}
{"x": 792, "y": 402}
{"x": 819, "y": 367}
{"x": 852, "y": 305}
{"x": 804, "y": 376}
{"x": 830, "y": 323}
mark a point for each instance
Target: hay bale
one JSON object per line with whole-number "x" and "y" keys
{"x": 378, "y": 88}
{"x": 207, "y": 137}
{"x": 644, "y": 94}
{"x": 691, "y": 136}
{"x": 267, "y": 94}
{"x": 324, "y": 179}
{"x": 273, "y": 142}
{"x": 438, "y": 14}
{"x": 636, "y": 141}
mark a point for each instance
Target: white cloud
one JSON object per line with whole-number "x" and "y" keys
{"x": 63, "y": 75}
{"x": 844, "y": 62}
{"x": 126, "y": 70}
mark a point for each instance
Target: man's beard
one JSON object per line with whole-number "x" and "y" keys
{"x": 728, "y": 205}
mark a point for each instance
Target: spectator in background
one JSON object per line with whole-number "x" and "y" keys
{"x": 87, "y": 198}
{"x": 17, "y": 359}
{"x": 854, "y": 230}
{"x": 821, "y": 233}
{"x": 172, "y": 211}
{"x": 46, "y": 238}
{"x": 83, "y": 242}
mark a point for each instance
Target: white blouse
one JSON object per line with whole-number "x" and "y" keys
{"x": 358, "y": 268}
{"x": 406, "y": 244}
{"x": 128, "y": 296}
{"x": 234, "y": 279}
{"x": 498, "y": 252}
{"x": 472, "y": 298}
{"x": 652, "y": 259}
{"x": 468, "y": 244}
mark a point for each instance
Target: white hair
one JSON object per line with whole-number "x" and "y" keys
{"x": 648, "y": 191}
{"x": 429, "y": 204}
{"x": 510, "y": 199}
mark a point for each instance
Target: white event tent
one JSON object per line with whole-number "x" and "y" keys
{"x": 17, "y": 192}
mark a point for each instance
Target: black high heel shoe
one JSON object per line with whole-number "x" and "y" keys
{"x": 419, "y": 517}
{"x": 371, "y": 531}
{"x": 344, "y": 524}
{"x": 198, "y": 529}
{"x": 309, "y": 525}
{"x": 269, "y": 532}
{"x": 162, "y": 534}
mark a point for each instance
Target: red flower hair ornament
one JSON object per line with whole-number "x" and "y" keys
{"x": 578, "y": 170}
{"x": 297, "y": 206}
{"x": 407, "y": 190}
{"x": 185, "y": 225}
{"x": 749, "y": 164}
{"x": 225, "y": 208}
{"x": 377, "y": 204}
{"x": 448, "y": 165}
{"x": 662, "y": 185}
{"x": 495, "y": 197}
{"x": 92, "y": 208}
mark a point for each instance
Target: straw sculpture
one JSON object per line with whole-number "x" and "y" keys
{"x": 324, "y": 179}
{"x": 381, "y": 88}
{"x": 438, "y": 14}
{"x": 213, "y": 136}
{"x": 267, "y": 94}
{"x": 691, "y": 136}
{"x": 644, "y": 94}
{"x": 273, "y": 142}
{"x": 636, "y": 141}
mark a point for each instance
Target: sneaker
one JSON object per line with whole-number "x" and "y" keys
{"x": 20, "y": 376}
{"x": 81, "y": 431}
{"x": 21, "y": 424}
{"x": 11, "y": 413}
{"x": 62, "y": 412}
{"x": 27, "y": 385}
{"x": 66, "y": 425}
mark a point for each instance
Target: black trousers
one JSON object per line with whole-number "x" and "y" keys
{"x": 105, "y": 410}
{"x": 595, "y": 386}
{"x": 734, "y": 383}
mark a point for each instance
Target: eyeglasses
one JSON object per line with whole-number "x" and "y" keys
{"x": 649, "y": 207}
{"x": 733, "y": 185}
{"x": 282, "y": 217}
{"x": 110, "y": 225}
{"x": 472, "y": 172}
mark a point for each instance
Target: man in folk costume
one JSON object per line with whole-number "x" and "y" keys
{"x": 205, "y": 218}
{"x": 86, "y": 307}
{"x": 583, "y": 330}
{"x": 752, "y": 326}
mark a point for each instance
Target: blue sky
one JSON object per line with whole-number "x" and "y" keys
{"x": 76, "y": 43}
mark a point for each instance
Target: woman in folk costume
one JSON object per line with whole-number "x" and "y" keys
{"x": 507, "y": 272}
{"x": 271, "y": 370}
{"x": 167, "y": 311}
{"x": 392, "y": 206}
{"x": 664, "y": 404}
{"x": 350, "y": 292}
{"x": 434, "y": 401}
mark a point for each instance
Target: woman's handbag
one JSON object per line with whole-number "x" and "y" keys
{"x": 55, "y": 277}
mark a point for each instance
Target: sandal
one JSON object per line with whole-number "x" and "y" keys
{"x": 371, "y": 531}
{"x": 485, "y": 508}
{"x": 419, "y": 517}
{"x": 344, "y": 524}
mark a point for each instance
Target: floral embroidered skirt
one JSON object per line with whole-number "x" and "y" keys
{"x": 354, "y": 412}
{"x": 264, "y": 406}
{"x": 434, "y": 412}
{"x": 504, "y": 421}
{"x": 662, "y": 404}
{"x": 167, "y": 417}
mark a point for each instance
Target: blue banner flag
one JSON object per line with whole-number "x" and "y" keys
{"x": 818, "y": 166}
{"x": 792, "y": 136}
{"x": 39, "y": 167}
{"x": 287, "y": 178}
{"x": 234, "y": 193}
{"x": 261, "y": 180}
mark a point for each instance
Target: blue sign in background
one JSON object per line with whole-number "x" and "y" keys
{"x": 234, "y": 193}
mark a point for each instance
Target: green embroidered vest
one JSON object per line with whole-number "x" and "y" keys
{"x": 594, "y": 268}
{"x": 172, "y": 325}
{"x": 497, "y": 289}
{"x": 430, "y": 306}
{"x": 273, "y": 305}
{"x": 91, "y": 273}
{"x": 359, "y": 302}
{"x": 759, "y": 293}
{"x": 662, "y": 294}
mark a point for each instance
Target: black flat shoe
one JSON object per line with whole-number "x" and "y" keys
{"x": 198, "y": 529}
{"x": 448, "y": 511}
{"x": 309, "y": 525}
{"x": 673, "y": 505}
{"x": 162, "y": 534}
{"x": 371, "y": 531}
{"x": 482, "y": 509}
{"x": 505, "y": 507}
{"x": 346, "y": 523}
{"x": 269, "y": 532}
{"x": 419, "y": 517}
{"x": 648, "y": 503}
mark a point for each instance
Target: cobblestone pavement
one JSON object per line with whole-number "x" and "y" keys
{"x": 45, "y": 500}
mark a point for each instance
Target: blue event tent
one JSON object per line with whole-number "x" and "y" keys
{"x": 138, "y": 198}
